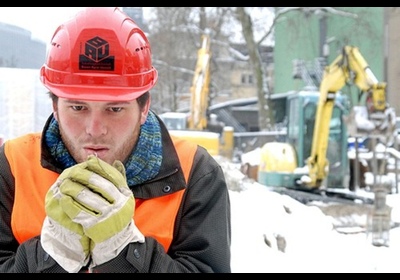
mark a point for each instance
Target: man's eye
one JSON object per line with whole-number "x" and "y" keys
{"x": 116, "y": 109}
{"x": 77, "y": 108}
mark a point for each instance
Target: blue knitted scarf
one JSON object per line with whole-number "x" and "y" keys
{"x": 144, "y": 162}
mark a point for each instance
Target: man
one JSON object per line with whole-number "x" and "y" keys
{"x": 104, "y": 187}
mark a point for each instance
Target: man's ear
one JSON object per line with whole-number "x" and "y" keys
{"x": 55, "y": 108}
{"x": 145, "y": 111}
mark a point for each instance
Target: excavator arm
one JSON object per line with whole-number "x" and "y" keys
{"x": 348, "y": 68}
{"x": 200, "y": 87}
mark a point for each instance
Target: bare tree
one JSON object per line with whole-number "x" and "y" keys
{"x": 176, "y": 37}
{"x": 265, "y": 116}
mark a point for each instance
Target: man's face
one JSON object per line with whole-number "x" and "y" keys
{"x": 107, "y": 129}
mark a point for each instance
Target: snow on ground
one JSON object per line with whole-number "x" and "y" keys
{"x": 275, "y": 233}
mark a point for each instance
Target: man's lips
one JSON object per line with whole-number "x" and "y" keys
{"x": 95, "y": 150}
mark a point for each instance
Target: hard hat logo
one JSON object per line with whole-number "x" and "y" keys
{"x": 96, "y": 56}
{"x": 97, "y": 49}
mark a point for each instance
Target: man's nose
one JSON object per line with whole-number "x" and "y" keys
{"x": 95, "y": 125}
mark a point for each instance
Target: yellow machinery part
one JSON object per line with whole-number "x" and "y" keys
{"x": 206, "y": 139}
{"x": 278, "y": 157}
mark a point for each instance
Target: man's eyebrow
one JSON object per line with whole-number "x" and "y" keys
{"x": 75, "y": 101}
{"x": 118, "y": 103}
{"x": 115, "y": 103}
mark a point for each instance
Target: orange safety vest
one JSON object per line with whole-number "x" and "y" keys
{"x": 154, "y": 217}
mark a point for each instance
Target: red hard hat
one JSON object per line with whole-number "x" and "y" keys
{"x": 102, "y": 55}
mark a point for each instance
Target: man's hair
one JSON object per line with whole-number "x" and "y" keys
{"x": 142, "y": 100}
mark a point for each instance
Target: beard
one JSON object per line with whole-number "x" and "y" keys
{"x": 117, "y": 149}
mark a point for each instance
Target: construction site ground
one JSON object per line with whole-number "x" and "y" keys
{"x": 348, "y": 215}
{"x": 273, "y": 232}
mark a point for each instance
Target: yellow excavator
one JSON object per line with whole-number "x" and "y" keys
{"x": 195, "y": 126}
{"x": 315, "y": 153}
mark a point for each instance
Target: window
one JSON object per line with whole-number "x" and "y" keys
{"x": 247, "y": 79}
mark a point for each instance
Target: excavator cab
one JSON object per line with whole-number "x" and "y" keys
{"x": 301, "y": 138}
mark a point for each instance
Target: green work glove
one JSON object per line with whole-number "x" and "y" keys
{"x": 63, "y": 239}
{"x": 96, "y": 195}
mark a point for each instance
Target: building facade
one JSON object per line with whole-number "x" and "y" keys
{"x": 18, "y": 49}
{"x": 317, "y": 38}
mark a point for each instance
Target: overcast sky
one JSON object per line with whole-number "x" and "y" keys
{"x": 41, "y": 21}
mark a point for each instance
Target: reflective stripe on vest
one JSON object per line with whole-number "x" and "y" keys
{"x": 154, "y": 217}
